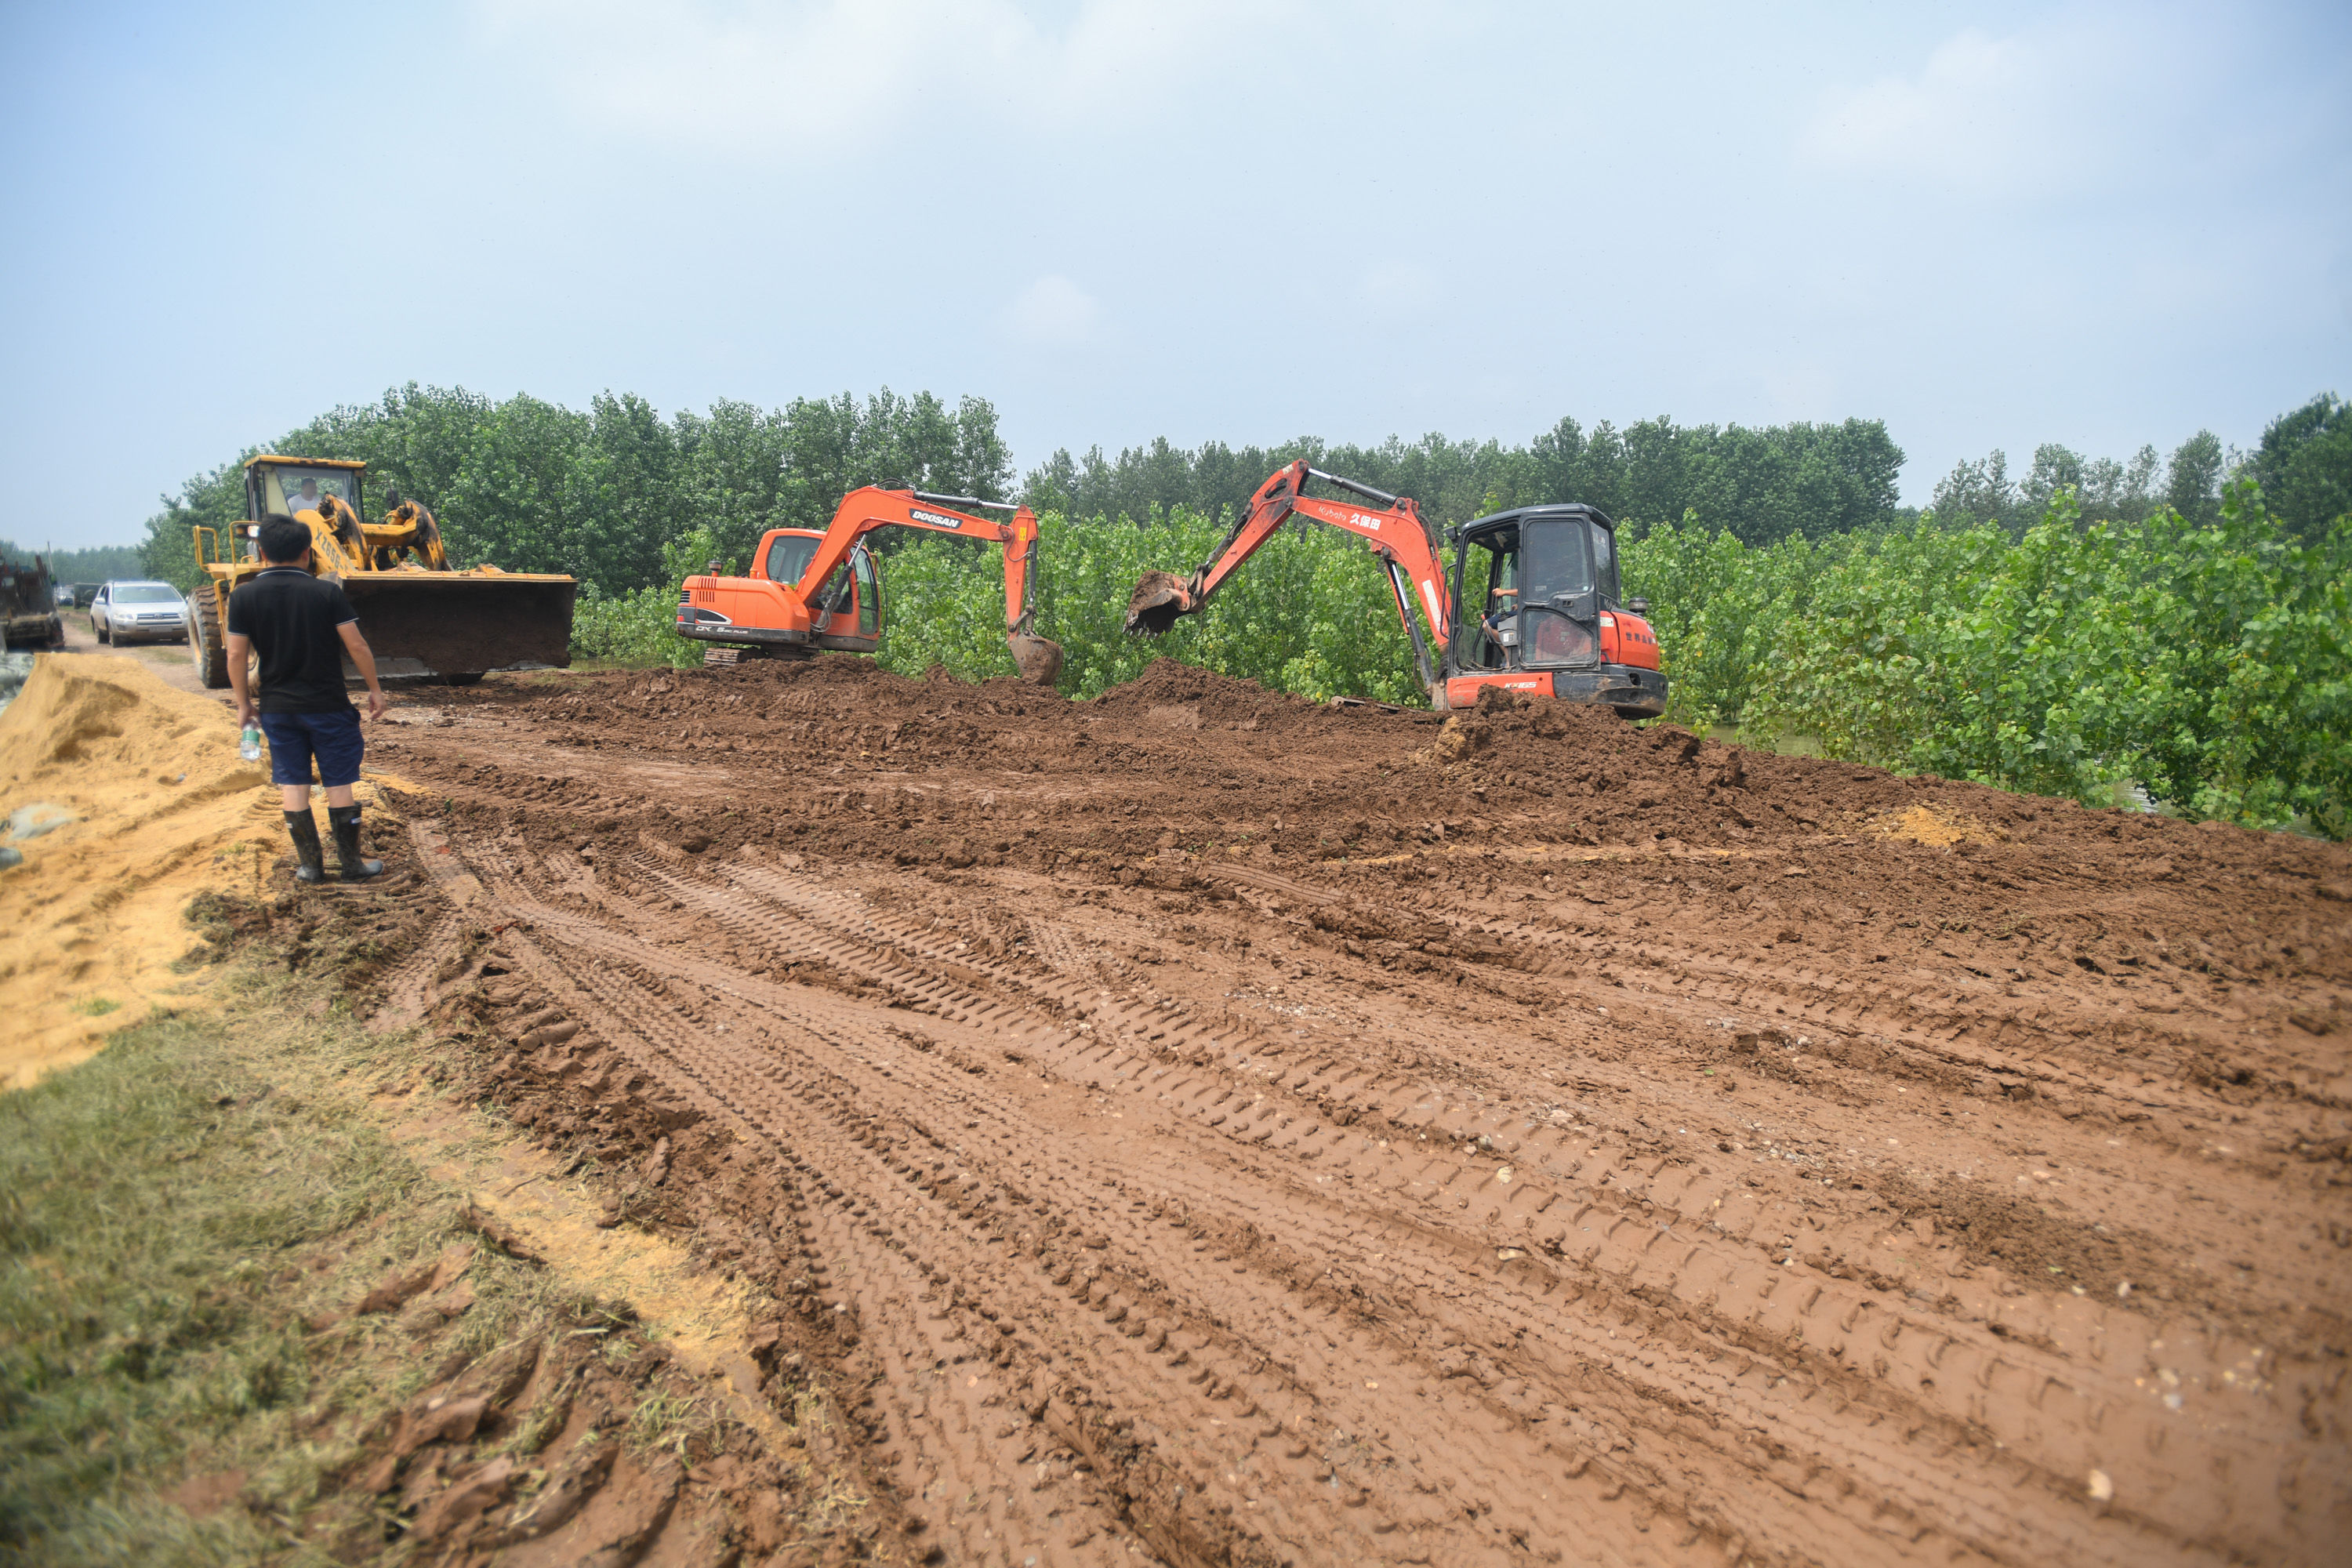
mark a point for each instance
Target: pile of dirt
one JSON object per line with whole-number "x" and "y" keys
{"x": 162, "y": 811}
{"x": 1229, "y": 1128}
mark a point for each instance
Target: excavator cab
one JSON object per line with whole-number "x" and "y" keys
{"x": 844, "y": 614}
{"x": 1537, "y": 609}
{"x": 848, "y": 606}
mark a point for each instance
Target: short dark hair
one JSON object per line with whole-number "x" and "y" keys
{"x": 282, "y": 539}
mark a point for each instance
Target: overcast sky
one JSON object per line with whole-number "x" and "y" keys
{"x": 1989, "y": 225}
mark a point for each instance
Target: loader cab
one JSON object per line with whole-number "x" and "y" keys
{"x": 1531, "y": 587}
{"x": 296, "y": 485}
{"x": 304, "y": 488}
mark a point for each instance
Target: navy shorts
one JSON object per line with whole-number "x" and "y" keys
{"x": 295, "y": 738}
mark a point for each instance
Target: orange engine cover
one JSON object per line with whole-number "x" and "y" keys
{"x": 1627, "y": 639}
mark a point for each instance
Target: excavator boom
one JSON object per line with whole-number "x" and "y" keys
{"x": 789, "y": 602}
{"x": 1396, "y": 533}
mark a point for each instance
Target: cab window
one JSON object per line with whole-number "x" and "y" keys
{"x": 789, "y": 557}
{"x": 1560, "y": 578}
{"x": 295, "y": 491}
{"x": 1557, "y": 560}
{"x": 1604, "y": 560}
{"x": 1489, "y": 597}
{"x": 870, "y": 593}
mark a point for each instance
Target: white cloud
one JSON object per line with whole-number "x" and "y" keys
{"x": 824, "y": 74}
{"x": 1967, "y": 118}
{"x": 1053, "y": 312}
{"x": 2055, "y": 107}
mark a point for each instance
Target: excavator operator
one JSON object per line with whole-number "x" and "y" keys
{"x": 1499, "y": 621}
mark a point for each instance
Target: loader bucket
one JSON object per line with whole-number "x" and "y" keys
{"x": 457, "y": 625}
{"x": 1159, "y": 599}
{"x": 1038, "y": 660}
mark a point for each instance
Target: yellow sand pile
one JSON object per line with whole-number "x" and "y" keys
{"x": 90, "y": 924}
{"x": 1933, "y": 826}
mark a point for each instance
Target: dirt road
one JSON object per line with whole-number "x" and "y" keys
{"x": 169, "y": 660}
{"x": 1217, "y": 1129}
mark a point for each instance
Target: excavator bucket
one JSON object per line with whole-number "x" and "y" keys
{"x": 1037, "y": 659}
{"x": 457, "y": 626}
{"x": 1159, "y": 599}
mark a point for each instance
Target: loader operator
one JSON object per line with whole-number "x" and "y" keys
{"x": 302, "y": 627}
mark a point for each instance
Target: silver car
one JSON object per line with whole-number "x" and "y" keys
{"x": 138, "y": 611}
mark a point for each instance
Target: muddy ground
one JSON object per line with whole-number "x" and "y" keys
{"x": 1211, "y": 1128}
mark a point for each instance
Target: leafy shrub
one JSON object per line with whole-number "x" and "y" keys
{"x": 1311, "y": 614}
{"x": 2212, "y": 664}
{"x": 641, "y": 628}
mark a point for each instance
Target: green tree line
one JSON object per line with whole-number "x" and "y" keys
{"x": 101, "y": 563}
{"x": 2303, "y": 464}
{"x": 535, "y": 487}
{"x": 2209, "y": 663}
{"x": 1762, "y": 484}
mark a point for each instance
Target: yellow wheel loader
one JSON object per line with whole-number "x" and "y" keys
{"x": 423, "y": 620}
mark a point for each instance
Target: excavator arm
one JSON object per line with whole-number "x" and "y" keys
{"x": 868, "y": 508}
{"x": 1397, "y": 534}
{"x": 774, "y": 612}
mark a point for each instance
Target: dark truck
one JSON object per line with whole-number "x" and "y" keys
{"x": 29, "y": 608}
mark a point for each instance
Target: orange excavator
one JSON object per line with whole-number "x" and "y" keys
{"x": 1550, "y": 622}
{"x": 809, "y": 591}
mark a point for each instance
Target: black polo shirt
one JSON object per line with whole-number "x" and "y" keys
{"x": 291, "y": 617}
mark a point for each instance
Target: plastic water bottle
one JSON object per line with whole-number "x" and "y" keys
{"x": 249, "y": 746}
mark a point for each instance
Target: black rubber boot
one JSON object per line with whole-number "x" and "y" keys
{"x": 345, "y": 820}
{"x": 310, "y": 860}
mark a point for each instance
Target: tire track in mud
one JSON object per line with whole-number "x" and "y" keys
{"x": 1609, "y": 1402}
{"x": 1980, "y": 1364}
{"x": 1954, "y": 1032}
{"x": 1432, "y": 1185}
{"x": 1173, "y": 1387}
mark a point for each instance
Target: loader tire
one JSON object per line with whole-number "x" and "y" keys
{"x": 207, "y": 648}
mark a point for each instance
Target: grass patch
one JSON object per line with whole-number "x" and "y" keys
{"x": 174, "y": 1214}
{"x": 96, "y": 1006}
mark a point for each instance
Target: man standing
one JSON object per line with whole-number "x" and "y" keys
{"x": 302, "y": 627}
